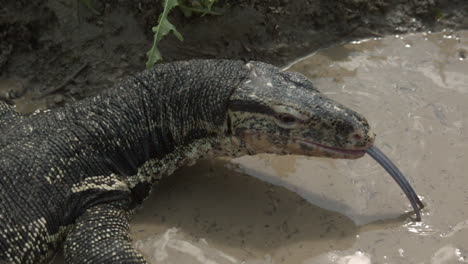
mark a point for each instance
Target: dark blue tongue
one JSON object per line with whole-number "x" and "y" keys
{"x": 396, "y": 174}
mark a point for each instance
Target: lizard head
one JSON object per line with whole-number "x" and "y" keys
{"x": 279, "y": 112}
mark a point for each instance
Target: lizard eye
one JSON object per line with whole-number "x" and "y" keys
{"x": 287, "y": 119}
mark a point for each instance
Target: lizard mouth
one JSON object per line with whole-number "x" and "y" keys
{"x": 340, "y": 152}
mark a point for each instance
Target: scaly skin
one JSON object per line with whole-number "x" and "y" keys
{"x": 72, "y": 177}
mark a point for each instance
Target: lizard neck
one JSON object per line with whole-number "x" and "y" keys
{"x": 158, "y": 113}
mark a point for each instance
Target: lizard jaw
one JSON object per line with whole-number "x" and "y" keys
{"x": 333, "y": 151}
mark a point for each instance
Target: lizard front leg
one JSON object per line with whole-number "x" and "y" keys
{"x": 101, "y": 235}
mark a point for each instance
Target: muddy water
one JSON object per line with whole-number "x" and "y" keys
{"x": 24, "y": 102}
{"x": 414, "y": 91}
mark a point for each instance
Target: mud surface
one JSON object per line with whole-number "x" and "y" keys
{"x": 60, "y": 51}
{"x": 413, "y": 90}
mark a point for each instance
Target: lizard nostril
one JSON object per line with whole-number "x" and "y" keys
{"x": 357, "y": 137}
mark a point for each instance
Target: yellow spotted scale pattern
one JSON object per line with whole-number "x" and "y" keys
{"x": 70, "y": 178}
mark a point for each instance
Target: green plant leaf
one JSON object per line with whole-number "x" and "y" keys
{"x": 163, "y": 28}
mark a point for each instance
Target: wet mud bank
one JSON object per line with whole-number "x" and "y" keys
{"x": 62, "y": 51}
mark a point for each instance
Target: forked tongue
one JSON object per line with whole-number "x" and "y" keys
{"x": 396, "y": 174}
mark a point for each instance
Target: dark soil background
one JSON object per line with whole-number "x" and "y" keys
{"x": 58, "y": 51}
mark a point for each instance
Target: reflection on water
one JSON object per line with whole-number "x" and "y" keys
{"x": 414, "y": 91}
{"x": 420, "y": 228}
{"x": 448, "y": 254}
{"x": 235, "y": 214}
{"x": 456, "y": 229}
